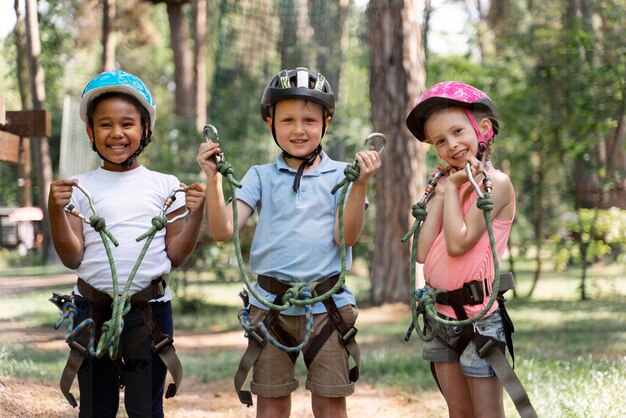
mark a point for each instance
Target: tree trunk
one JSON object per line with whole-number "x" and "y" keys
{"x": 296, "y": 35}
{"x": 40, "y": 149}
{"x": 22, "y": 62}
{"x": 24, "y": 174}
{"x": 200, "y": 54}
{"x": 397, "y": 77}
{"x": 616, "y": 141}
{"x": 428, "y": 10}
{"x": 616, "y": 164}
{"x": 183, "y": 76}
{"x": 108, "y": 36}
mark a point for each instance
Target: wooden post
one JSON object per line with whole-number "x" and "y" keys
{"x": 16, "y": 128}
{"x": 3, "y": 110}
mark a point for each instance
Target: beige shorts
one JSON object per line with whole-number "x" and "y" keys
{"x": 273, "y": 373}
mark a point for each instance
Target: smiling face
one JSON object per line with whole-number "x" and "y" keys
{"x": 116, "y": 132}
{"x": 452, "y": 134}
{"x": 298, "y": 125}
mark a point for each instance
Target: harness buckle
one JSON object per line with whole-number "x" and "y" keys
{"x": 487, "y": 344}
{"x": 349, "y": 335}
{"x": 163, "y": 344}
{"x": 476, "y": 292}
{"x": 78, "y": 347}
{"x": 160, "y": 285}
{"x": 257, "y": 338}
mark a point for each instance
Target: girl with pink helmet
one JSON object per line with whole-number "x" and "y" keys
{"x": 460, "y": 121}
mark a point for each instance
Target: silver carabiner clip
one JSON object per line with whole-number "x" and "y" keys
{"x": 378, "y": 141}
{"x": 468, "y": 171}
{"x": 71, "y": 209}
{"x": 211, "y": 136}
{"x": 430, "y": 188}
{"x": 168, "y": 202}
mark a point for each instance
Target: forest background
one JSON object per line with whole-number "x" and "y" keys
{"x": 556, "y": 71}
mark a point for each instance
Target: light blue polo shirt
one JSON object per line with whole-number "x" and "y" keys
{"x": 294, "y": 238}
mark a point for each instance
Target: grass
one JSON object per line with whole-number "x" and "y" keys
{"x": 570, "y": 354}
{"x": 20, "y": 361}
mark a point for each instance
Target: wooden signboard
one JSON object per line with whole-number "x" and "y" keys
{"x": 16, "y": 127}
{"x": 31, "y": 123}
{"x": 14, "y": 149}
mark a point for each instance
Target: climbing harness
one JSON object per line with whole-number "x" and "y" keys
{"x": 423, "y": 301}
{"x": 294, "y": 294}
{"x": 120, "y": 303}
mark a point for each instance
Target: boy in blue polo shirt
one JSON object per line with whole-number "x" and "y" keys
{"x": 296, "y": 240}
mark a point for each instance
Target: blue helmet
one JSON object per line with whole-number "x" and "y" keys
{"x": 121, "y": 82}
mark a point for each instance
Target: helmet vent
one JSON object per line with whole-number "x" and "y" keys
{"x": 284, "y": 79}
{"x": 303, "y": 77}
{"x": 319, "y": 84}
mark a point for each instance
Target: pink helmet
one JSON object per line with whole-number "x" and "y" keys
{"x": 451, "y": 93}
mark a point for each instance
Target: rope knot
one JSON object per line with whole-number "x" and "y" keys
{"x": 419, "y": 212}
{"x": 159, "y": 222}
{"x": 305, "y": 292}
{"x": 352, "y": 172}
{"x": 425, "y": 296}
{"x": 225, "y": 169}
{"x": 485, "y": 203}
{"x": 105, "y": 327}
{"x": 97, "y": 223}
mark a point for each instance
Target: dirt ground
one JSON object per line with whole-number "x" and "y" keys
{"x": 215, "y": 400}
{"x": 20, "y": 398}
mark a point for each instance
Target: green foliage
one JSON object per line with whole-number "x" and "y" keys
{"x": 195, "y": 313}
{"x": 9, "y": 190}
{"x": 558, "y": 83}
{"x": 12, "y": 259}
{"x": 588, "y": 235}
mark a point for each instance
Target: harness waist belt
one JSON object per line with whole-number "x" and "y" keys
{"x": 473, "y": 293}
{"x": 278, "y": 288}
{"x": 155, "y": 290}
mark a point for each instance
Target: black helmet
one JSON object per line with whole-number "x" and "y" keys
{"x": 298, "y": 84}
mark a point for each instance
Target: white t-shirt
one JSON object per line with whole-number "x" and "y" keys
{"x": 127, "y": 201}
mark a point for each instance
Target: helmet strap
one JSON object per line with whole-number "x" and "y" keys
{"x": 483, "y": 140}
{"x": 305, "y": 162}
{"x": 132, "y": 158}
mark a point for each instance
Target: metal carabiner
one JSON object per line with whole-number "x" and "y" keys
{"x": 378, "y": 141}
{"x": 168, "y": 202}
{"x": 71, "y": 209}
{"x": 430, "y": 188}
{"x": 211, "y": 136}
{"x": 468, "y": 171}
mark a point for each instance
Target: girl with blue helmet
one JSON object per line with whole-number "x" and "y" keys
{"x": 120, "y": 84}
{"x": 119, "y": 113}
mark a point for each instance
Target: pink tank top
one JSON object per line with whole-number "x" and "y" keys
{"x": 443, "y": 272}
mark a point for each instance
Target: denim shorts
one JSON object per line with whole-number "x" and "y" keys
{"x": 472, "y": 364}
